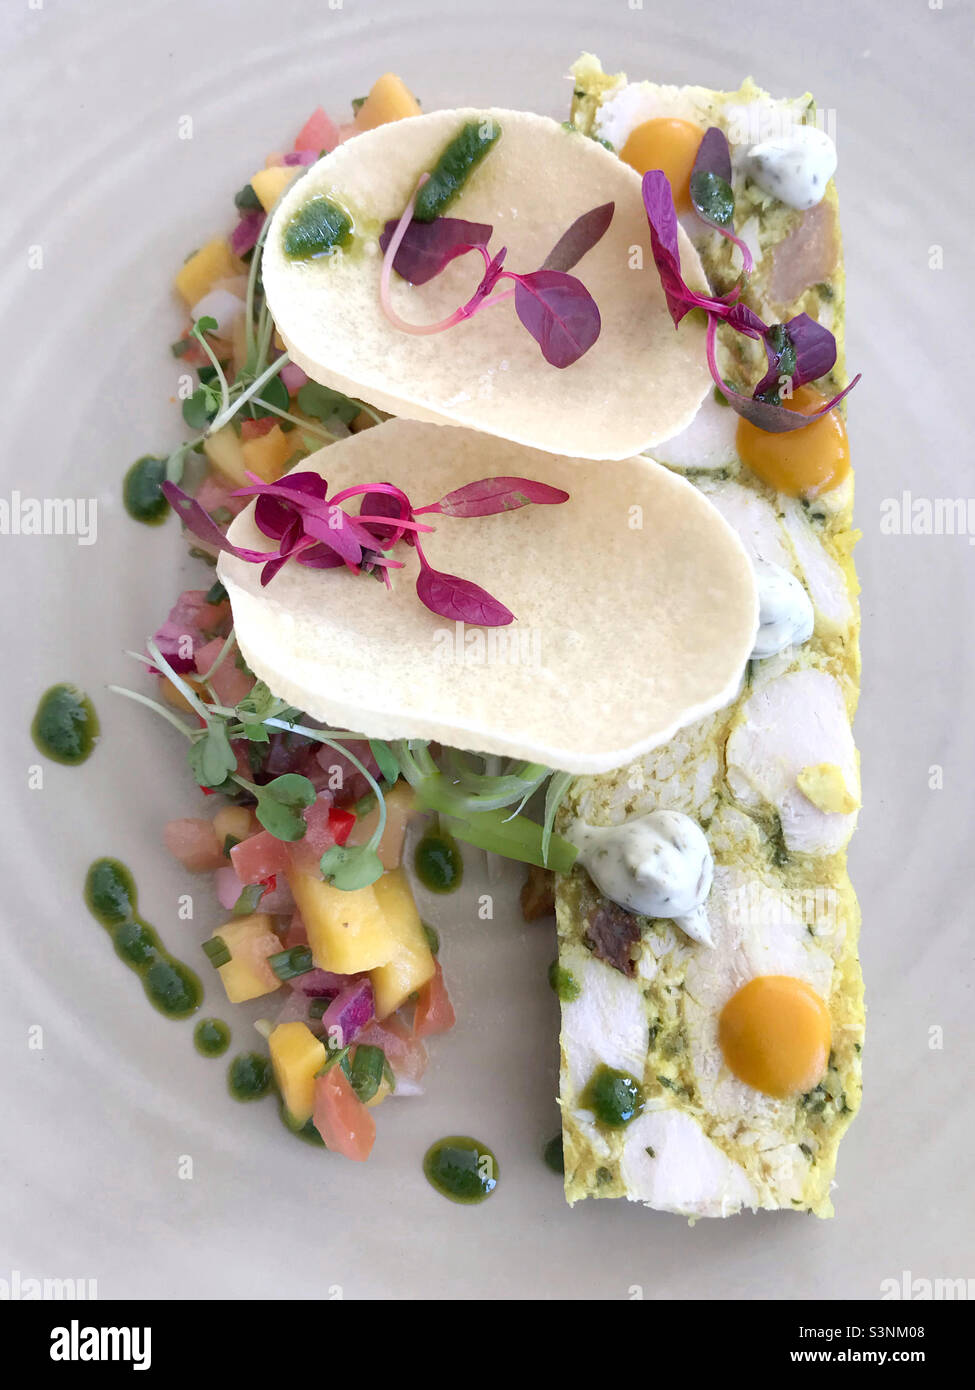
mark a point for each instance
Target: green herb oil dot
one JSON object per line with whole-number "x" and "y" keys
{"x": 461, "y": 1169}
{"x": 564, "y": 983}
{"x": 454, "y": 167}
{"x": 614, "y": 1097}
{"x": 211, "y": 1037}
{"x": 110, "y": 895}
{"x": 438, "y": 863}
{"x": 554, "y": 1156}
{"x": 307, "y": 1132}
{"x": 142, "y": 491}
{"x": 318, "y": 228}
{"x": 65, "y": 727}
{"x": 249, "y": 1076}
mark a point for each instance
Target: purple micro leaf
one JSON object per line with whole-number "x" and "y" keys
{"x": 745, "y": 320}
{"x": 662, "y": 216}
{"x": 714, "y": 155}
{"x": 302, "y": 489}
{"x": 559, "y": 313}
{"x": 460, "y": 600}
{"x": 338, "y": 532}
{"x": 385, "y": 504}
{"x": 489, "y": 496}
{"x": 200, "y": 524}
{"x": 581, "y": 237}
{"x": 815, "y": 349}
{"x": 319, "y": 557}
{"x": 271, "y": 568}
{"x": 274, "y": 517}
{"x": 711, "y": 191}
{"x": 774, "y": 419}
{"x": 428, "y": 247}
{"x": 802, "y": 349}
{"x": 493, "y": 271}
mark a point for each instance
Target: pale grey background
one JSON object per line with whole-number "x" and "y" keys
{"x": 93, "y": 1126}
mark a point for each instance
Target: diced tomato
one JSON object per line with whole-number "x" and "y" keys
{"x": 259, "y": 857}
{"x": 405, "y": 1053}
{"x": 254, "y": 429}
{"x": 306, "y": 852}
{"x": 340, "y": 823}
{"x": 434, "y": 1011}
{"x": 212, "y": 495}
{"x": 296, "y": 933}
{"x": 230, "y": 683}
{"x": 194, "y": 843}
{"x": 318, "y": 133}
{"x": 345, "y": 1124}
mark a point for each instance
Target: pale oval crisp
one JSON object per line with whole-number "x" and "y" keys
{"x": 639, "y": 384}
{"x": 635, "y": 608}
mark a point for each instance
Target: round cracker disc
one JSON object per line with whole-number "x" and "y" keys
{"x": 641, "y": 382}
{"x": 635, "y": 608}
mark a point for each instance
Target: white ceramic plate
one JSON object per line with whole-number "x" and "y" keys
{"x": 96, "y": 1124}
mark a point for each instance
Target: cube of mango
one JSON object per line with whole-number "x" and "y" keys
{"x": 389, "y": 100}
{"x": 296, "y": 1056}
{"x": 413, "y": 964}
{"x": 250, "y": 941}
{"x": 347, "y": 931}
{"x": 269, "y": 184}
{"x": 268, "y": 454}
{"x": 226, "y": 454}
{"x": 400, "y": 806}
{"x": 214, "y": 261}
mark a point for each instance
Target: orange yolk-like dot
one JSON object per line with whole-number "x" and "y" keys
{"x": 666, "y": 144}
{"x": 801, "y": 463}
{"x": 775, "y": 1035}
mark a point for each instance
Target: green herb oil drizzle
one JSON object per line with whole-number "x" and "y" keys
{"x": 170, "y": 986}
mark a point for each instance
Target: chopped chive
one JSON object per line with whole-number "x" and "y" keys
{"x": 317, "y": 1007}
{"x": 216, "y": 951}
{"x": 247, "y": 200}
{"x": 368, "y": 1065}
{"x": 432, "y": 936}
{"x": 287, "y": 965}
{"x": 250, "y": 896}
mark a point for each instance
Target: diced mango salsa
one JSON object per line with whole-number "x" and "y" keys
{"x": 413, "y": 964}
{"x": 268, "y": 454}
{"x": 296, "y": 1056}
{"x": 389, "y": 100}
{"x": 235, "y": 821}
{"x": 172, "y": 695}
{"x": 347, "y": 931}
{"x": 250, "y": 941}
{"x": 400, "y": 806}
{"x": 226, "y": 454}
{"x": 214, "y": 261}
{"x": 269, "y": 184}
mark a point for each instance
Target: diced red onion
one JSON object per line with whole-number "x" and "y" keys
{"x": 349, "y": 1012}
{"x": 294, "y": 377}
{"x": 320, "y": 984}
{"x": 244, "y": 236}
{"x": 228, "y": 886}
